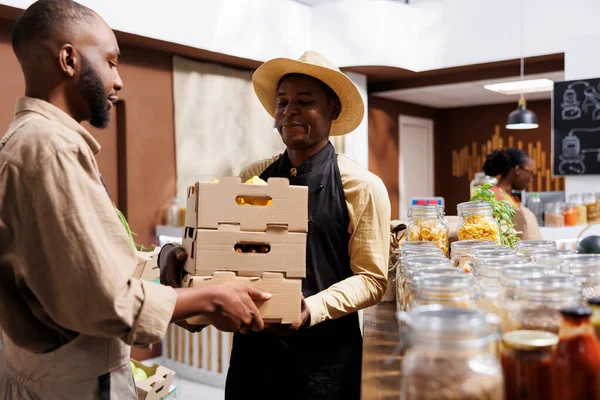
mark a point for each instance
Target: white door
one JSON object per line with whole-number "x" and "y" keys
{"x": 415, "y": 160}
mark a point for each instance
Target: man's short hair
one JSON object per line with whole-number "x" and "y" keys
{"x": 47, "y": 19}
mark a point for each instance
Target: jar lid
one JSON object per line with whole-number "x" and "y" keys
{"x": 433, "y": 271}
{"x": 576, "y": 312}
{"x": 549, "y": 244}
{"x": 485, "y": 247}
{"x": 492, "y": 267}
{"x": 414, "y": 262}
{"x": 550, "y": 253}
{"x": 407, "y": 245}
{"x": 445, "y": 283}
{"x": 547, "y": 281}
{"x": 510, "y": 275}
{"x": 474, "y": 205}
{"x": 529, "y": 340}
{"x": 469, "y": 243}
{"x": 581, "y": 265}
{"x": 449, "y": 326}
{"x": 498, "y": 253}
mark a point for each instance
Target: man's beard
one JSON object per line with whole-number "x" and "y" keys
{"x": 93, "y": 92}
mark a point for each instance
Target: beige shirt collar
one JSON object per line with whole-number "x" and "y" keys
{"x": 54, "y": 113}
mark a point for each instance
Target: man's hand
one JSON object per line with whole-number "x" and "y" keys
{"x": 170, "y": 262}
{"x": 234, "y": 309}
{"x": 289, "y": 329}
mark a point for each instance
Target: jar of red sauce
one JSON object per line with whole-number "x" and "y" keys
{"x": 576, "y": 361}
{"x": 526, "y": 363}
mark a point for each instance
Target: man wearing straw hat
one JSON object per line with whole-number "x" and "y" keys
{"x": 348, "y": 239}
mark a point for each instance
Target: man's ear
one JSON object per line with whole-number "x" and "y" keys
{"x": 336, "y": 110}
{"x": 68, "y": 59}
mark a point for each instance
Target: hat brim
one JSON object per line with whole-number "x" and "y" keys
{"x": 266, "y": 78}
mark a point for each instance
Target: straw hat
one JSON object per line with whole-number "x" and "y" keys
{"x": 267, "y": 77}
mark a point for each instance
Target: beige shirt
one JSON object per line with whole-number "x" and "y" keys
{"x": 65, "y": 259}
{"x": 370, "y": 211}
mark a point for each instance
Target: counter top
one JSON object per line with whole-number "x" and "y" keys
{"x": 380, "y": 381}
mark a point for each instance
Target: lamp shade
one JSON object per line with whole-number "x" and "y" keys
{"x": 522, "y": 118}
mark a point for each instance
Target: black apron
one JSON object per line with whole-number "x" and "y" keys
{"x": 322, "y": 362}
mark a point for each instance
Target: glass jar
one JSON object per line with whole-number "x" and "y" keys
{"x": 576, "y": 361}
{"x": 461, "y": 252}
{"x": 509, "y": 276}
{"x": 526, "y": 362}
{"x": 586, "y": 270}
{"x": 427, "y": 224}
{"x": 450, "y": 355}
{"x": 416, "y": 259}
{"x": 577, "y": 200}
{"x": 481, "y": 179}
{"x": 537, "y": 300}
{"x": 554, "y": 215}
{"x": 551, "y": 257}
{"x": 497, "y": 253}
{"x": 487, "y": 275}
{"x": 593, "y": 209}
{"x": 526, "y": 248}
{"x": 477, "y": 222}
{"x": 446, "y": 290}
{"x": 570, "y": 215}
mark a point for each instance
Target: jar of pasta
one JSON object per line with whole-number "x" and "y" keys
{"x": 537, "y": 300}
{"x": 445, "y": 290}
{"x": 477, "y": 222}
{"x": 527, "y": 248}
{"x": 427, "y": 224}
{"x": 461, "y": 252}
{"x": 593, "y": 209}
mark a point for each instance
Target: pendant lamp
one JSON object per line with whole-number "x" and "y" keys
{"x": 522, "y": 118}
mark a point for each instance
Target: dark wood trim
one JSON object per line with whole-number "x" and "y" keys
{"x": 469, "y": 73}
{"x": 122, "y": 156}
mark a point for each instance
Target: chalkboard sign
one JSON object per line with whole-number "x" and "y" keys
{"x": 576, "y": 127}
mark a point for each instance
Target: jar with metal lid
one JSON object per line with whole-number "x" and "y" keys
{"x": 527, "y": 248}
{"x": 408, "y": 264}
{"x": 592, "y": 206}
{"x": 586, "y": 270}
{"x": 554, "y": 215}
{"x": 427, "y": 224}
{"x": 487, "y": 275}
{"x": 477, "y": 222}
{"x": 537, "y": 300}
{"x": 481, "y": 179}
{"x": 551, "y": 257}
{"x": 446, "y": 290}
{"x": 450, "y": 355}
{"x": 570, "y": 214}
{"x": 461, "y": 252}
{"x": 526, "y": 362}
{"x": 577, "y": 200}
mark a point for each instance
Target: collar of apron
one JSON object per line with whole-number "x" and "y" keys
{"x": 315, "y": 162}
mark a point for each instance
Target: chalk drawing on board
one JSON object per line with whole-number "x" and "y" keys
{"x": 591, "y": 102}
{"x": 570, "y": 104}
{"x": 572, "y": 157}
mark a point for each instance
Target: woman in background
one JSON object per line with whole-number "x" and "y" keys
{"x": 515, "y": 171}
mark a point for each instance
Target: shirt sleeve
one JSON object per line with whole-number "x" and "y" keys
{"x": 369, "y": 248}
{"x": 86, "y": 282}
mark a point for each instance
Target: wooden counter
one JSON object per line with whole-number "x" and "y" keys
{"x": 381, "y": 336}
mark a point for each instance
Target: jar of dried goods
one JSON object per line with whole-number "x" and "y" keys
{"x": 461, "y": 252}
{"x": 427, "y": 224}
{"x": 450, "y": 355}
{"x": 477, "y": 222}
{"x": 554, "y": 215}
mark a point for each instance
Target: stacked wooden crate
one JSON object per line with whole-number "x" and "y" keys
{"x": 252, "y": 233}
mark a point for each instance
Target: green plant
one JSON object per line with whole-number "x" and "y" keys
{"x": 503, "y": 213}
{"x": 131, "y": 234}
